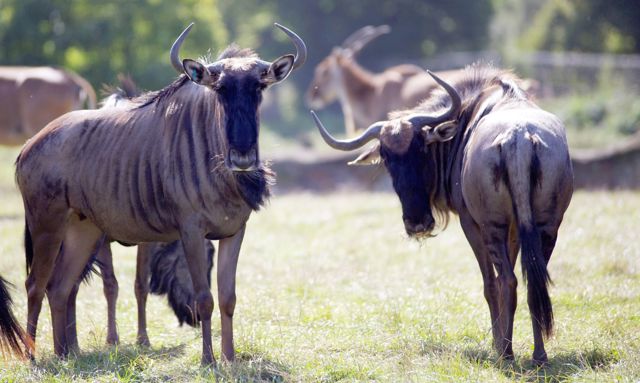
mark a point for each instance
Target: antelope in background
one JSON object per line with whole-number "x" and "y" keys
{"x": 366, "y": 97}
{"x": 34, "y": 96}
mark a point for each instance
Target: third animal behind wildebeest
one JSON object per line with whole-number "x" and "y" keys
{"x": 366, "y": 97}
{"x": 182, "y": 162}
{"x": 485, "y": 151}
{"x": 34, "y": 96}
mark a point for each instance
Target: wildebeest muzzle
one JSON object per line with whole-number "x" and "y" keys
{"x": 243, "y": 161}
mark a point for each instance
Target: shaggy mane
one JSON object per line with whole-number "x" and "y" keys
{"x": 478, "y": 76}
{"x": 233, "y": 50}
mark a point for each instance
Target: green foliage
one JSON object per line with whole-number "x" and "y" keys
{"x": 597, "y": 118}
{"x": 100, "y": 39}
{"x": 585, "y": 25}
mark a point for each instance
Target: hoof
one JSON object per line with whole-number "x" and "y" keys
{"x": 207, "y": 363}
{"x": 144, "y": 342}
{"x": 540, "y": 360}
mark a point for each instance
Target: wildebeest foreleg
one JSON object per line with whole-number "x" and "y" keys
{"x": 109, "y": 288}
{"x": 79, "y": 241}
{"x": 472, "y": 232}
{"x": 227, "y": 263}
{"x": 142, "y": 291}
{"x": 193, "y": 244}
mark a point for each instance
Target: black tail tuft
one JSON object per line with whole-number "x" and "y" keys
{"x": 94, "y": 263}
{"x": 170, "y": 275}
{"x": 28, "y": 246}
{"x": 534, "y": 271}
{"x": 12, "y": 337}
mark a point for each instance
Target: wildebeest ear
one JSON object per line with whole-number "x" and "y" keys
{"x": 370, "y": 156}
{"x": 441, "y": 133}
{"x": 197, "y": 72}
{"x": 279, "y": 69}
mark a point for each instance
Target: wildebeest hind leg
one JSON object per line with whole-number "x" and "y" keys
{"x": 227, "y": 263}
{"x": 79, "y": 241}
{"x": 495, "y": 240}
{"x": 72, "y": 333}
{"x": 142, "y": 291}
{"x": 472, "y": 232}
{"x": 46, "y": 238}
{"x": 109, "y": 288}
{"x": 548, "y": 237}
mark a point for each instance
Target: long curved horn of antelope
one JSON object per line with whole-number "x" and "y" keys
{"x": 357, "y": 45}
{"x": 372, "y": 132}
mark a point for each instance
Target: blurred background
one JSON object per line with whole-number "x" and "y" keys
{"x": 584, "y": 53}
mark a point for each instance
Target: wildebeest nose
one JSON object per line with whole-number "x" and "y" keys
{"x": 413, "y": 228}
{"x": 243, "y": 161}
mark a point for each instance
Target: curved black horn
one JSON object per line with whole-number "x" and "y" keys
{"x": 420, "y": 120}
{"x": 175, "y": 49}
{"x": 301, "y": 48}
{"x": 372, "y": 132}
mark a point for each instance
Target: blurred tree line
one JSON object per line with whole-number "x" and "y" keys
{"x": 610, "y": 26}
{"x": 99, "y": 39}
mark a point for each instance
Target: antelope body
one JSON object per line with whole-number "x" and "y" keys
{"x": 34, "y": 96}
{"x": 366, "y": 97}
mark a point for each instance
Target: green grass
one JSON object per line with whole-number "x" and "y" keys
{"x": 330, "y": 289}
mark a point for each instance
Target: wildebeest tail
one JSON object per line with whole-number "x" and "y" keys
{"x": 94, "y": 263}
{"x": 12, "y": 337}
{"x": 523, "y": 176}
{"x": 170, "y": 275}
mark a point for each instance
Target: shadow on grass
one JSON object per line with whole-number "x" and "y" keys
{"x": 119, "y": 359}
{"x": 134, "y": 363}
{"x": 559, "y": 368}
{"x": 253, "y": 367}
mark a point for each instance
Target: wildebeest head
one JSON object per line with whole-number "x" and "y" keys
{"x": 238, "y": 82}
{"x": 403, "y": 146}
{"x": 325, "y": 85}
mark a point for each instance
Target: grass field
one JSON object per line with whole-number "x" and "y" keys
{"x": 330, "y": 289}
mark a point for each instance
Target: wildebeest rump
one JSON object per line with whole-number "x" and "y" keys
{"x": 182, "y": 162}
{"x": 34, "y": 96}
{"x": 486, "y": 152}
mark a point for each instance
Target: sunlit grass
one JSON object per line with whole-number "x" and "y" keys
{"x": 330, "y": 289}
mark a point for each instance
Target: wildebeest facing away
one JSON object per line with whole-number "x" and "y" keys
{"x": 182, "y": 162}
{"x": 367, "y": 97}
{"x": 482, "y": 150}
{"x": 34, "y": 96}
